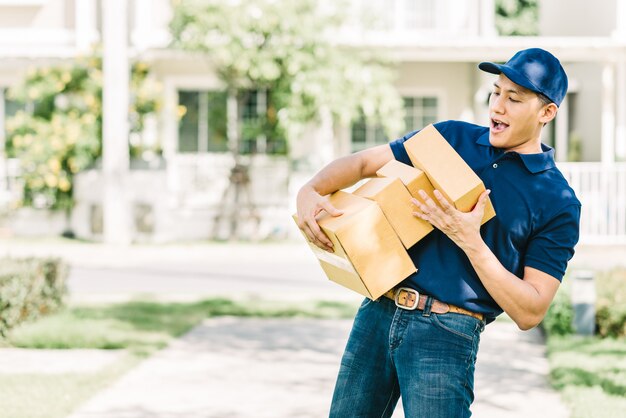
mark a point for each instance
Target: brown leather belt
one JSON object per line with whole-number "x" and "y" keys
{"x": 410, "y": 299}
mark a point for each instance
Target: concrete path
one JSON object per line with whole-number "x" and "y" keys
{"x": 276, "y": 368}
{"x": 39, "y": 361}
{"x": 229, "y": 368}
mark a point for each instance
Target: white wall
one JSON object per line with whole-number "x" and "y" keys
{"x": 51, "y": 14}
{"x": 587, "y": 114}
{"x": 576, "y": 17}
{"x": 452, "y": 83}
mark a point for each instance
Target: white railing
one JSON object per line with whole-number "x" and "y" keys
{"x": 602, "y": 192}
{"x": 398, "y": 22}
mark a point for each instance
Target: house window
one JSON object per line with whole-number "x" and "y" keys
{"x": 419, "y": 112}
{"x": 202, "y": 127}
{"x": 260, "y": 133}
{"x": 8, "y": 108}
{"x": 366, "y": 135}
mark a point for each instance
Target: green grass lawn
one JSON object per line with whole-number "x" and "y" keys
{"x": 138, "y": 327}
{"x": 146, "y": 325}
{"x": 591, "y": 374}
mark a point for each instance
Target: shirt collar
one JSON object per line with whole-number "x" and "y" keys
{"x": 535, "y": 163}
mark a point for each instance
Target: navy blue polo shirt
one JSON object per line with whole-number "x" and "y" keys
{"x": 536, "y": 224}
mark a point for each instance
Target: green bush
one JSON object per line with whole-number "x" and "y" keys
{"x": 558, "y": 320}
{"x": 611, "y": 303}
{"x": 610, "y": 307}
{"x": 30, "y": 288}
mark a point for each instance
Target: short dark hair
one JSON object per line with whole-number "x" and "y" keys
{"x": 544, "y": 99}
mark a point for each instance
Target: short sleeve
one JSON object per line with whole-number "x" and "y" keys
{"x": 397, "y": 147}
{"x": 550, "y": 249}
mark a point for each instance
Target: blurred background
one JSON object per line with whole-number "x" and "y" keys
{"x": 150, "y": 155}
{"x": 156, "y": 121}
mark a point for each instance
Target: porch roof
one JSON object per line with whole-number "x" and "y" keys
{"x": 414, "y": 48}
{"x": 419, "y": 49}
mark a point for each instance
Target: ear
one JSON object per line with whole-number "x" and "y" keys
{"x": 547, "y": 113}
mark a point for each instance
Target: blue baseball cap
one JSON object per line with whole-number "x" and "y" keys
{"x": 535, "y": 69}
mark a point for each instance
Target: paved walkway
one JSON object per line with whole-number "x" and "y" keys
{"x": 230, "y": 368}
{"x": 276, "y": 368}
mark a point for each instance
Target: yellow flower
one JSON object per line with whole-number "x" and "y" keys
{"x": 51, "y": 180}
{"x": 33, "y": 93}
{"x": 90, "y": 100}
{"x": 88, "y": 119}
{"x": 141, "y": 66}
{"x": 71, "y": 162}
{"x": 181, "y": 111}
{"x": 66, "y": 77}
{"x": 64, "y": 184}
{"x": 17, "y": 141}
{"x": 54, "y": 165}
{"x": 36, "y": 183}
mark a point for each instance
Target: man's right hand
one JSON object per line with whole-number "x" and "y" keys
{"x": 309, "y": 204}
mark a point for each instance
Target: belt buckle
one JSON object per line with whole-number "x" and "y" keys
{"x": 410, "y": 291}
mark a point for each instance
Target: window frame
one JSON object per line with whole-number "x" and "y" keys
{"x": 203, "y": 128}
{"x": 404, "y": 93}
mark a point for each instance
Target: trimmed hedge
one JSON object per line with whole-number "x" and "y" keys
{"x": 30, "y": 288}
{"x": 560, "y": 316}
{"x": 611, "y": 304}
{"x": 610, "y": 307}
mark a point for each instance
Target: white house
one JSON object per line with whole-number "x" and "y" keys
{"x": 435, "y": 46}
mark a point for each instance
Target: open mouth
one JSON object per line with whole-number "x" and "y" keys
{"x": 498, "y": 126}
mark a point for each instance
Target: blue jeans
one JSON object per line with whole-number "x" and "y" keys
{"x": 427, "y": 358}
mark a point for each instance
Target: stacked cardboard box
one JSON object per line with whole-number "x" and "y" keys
{"x": 413, "y": 178}
{"x": 446, "y": 170}
{"x": 368, "y": 256}
{"x": 378, "y": 224}
{"x": 395, "y": 201}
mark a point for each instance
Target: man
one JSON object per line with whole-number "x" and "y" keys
{"x": 467, "y": 274}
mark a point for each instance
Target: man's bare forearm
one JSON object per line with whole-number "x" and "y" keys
{"x": 339, "y": 174}
{"x": 346, "y": 171}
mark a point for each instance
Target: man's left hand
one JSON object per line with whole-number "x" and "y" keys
{"x": 461, "y": 227}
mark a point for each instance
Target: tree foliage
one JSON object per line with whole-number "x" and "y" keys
{"x": 287, "y": 48}
{"x": 517, "y": 17}
{"x": 59, "y": 131}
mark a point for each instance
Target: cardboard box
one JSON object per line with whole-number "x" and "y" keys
{"x": 395, "y": 201}
{"x": 446, "y": 170}
{"x": 369, "y": 257}
{"x": 413, "y": 178}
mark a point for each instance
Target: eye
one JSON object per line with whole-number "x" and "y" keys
{"x": 513, "y": 100}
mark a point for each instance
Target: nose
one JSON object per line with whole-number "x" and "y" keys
{"x": 496, "y": 104}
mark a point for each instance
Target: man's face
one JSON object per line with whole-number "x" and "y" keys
{"x": 516, "y": 117}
